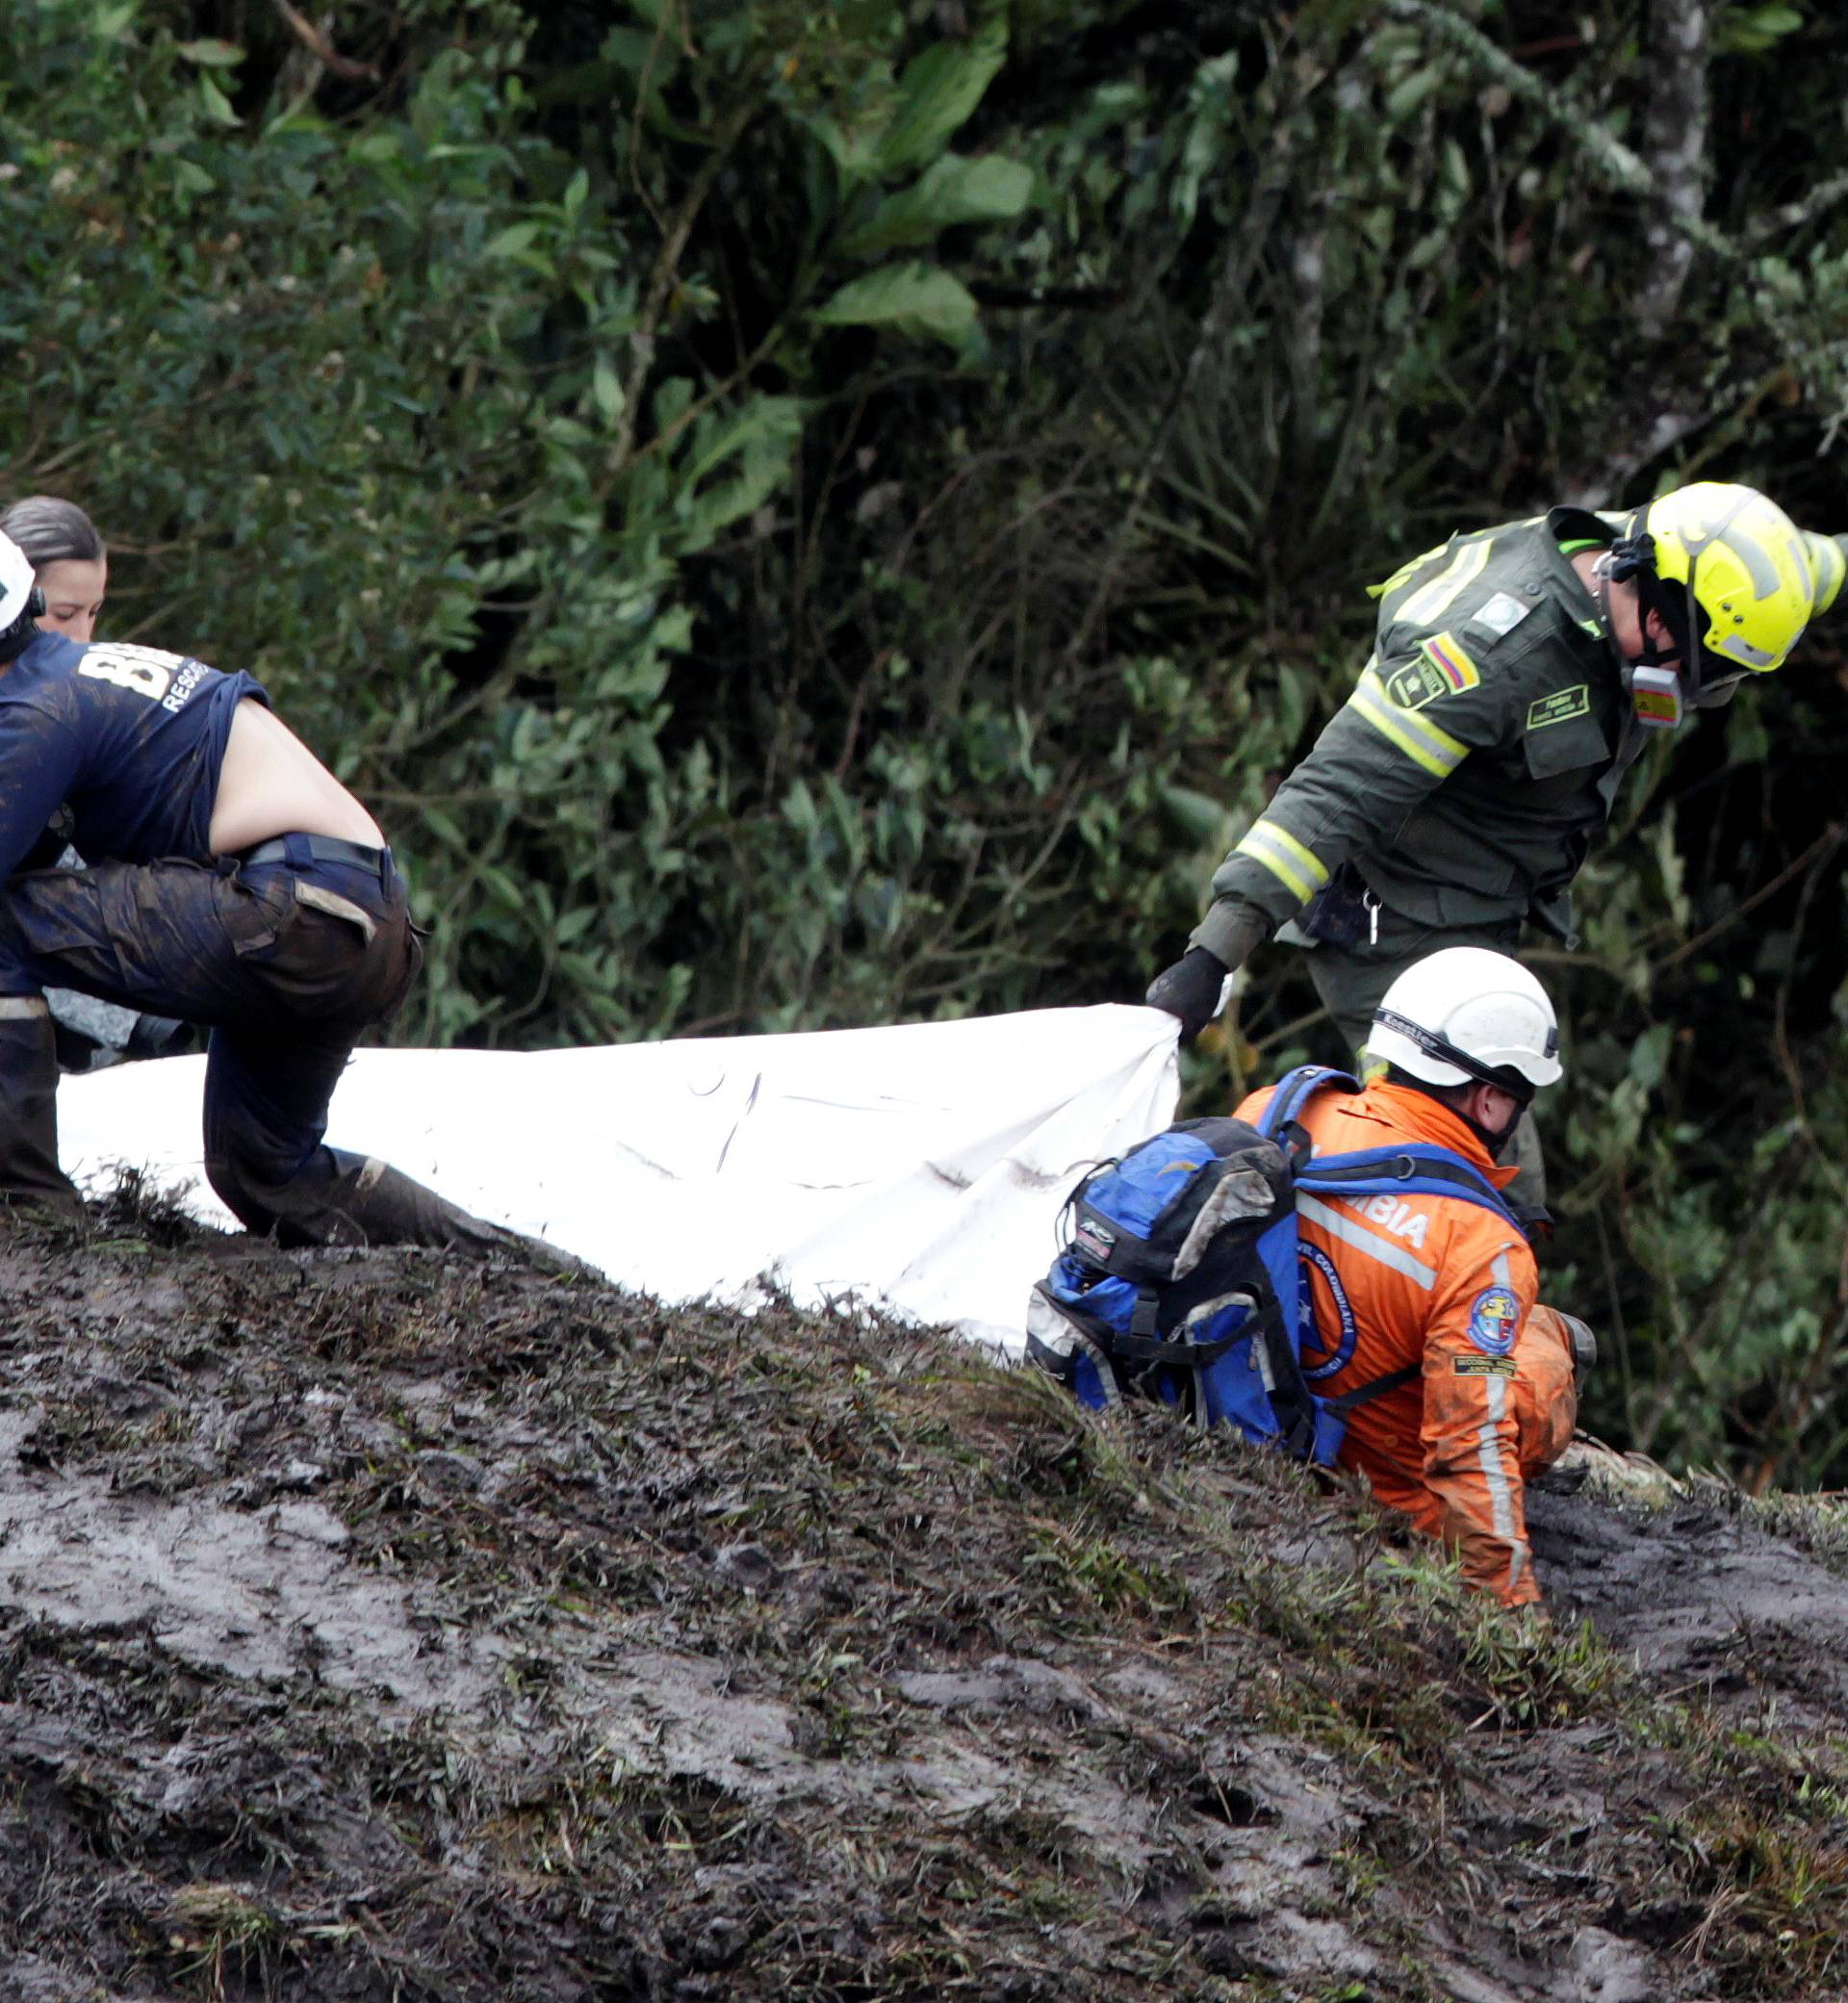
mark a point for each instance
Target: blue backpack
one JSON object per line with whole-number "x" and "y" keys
{"x": 1182, "y": 1281}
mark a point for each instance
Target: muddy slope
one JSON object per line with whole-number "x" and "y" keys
{"x": 380, "y": 1625}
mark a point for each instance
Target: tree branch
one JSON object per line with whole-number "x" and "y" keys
{"x": 315, "y": 42}
{"x": 1674, "y": 150}
{"x": 667, "y": 265}
{"x": 1229, "y": 293}
{"x": 1614, "y": 160}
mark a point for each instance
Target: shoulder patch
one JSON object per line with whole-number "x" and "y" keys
{"x": 1482, "y": 1366}
{"x": 1494, "y": 1320}
{"x": 1451, "y": 662}
{"x": 1560, "y": 706}
{"x": 1499, "y": 615}
{"x": 1439, "y": 668}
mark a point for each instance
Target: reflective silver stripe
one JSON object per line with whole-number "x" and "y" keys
{"x": 1300, "y": 870}
{"x": 1762, "y": 572}
{"x": 1488, "y": 1454}
{"x": 1488, "y": 1450}
{"x": 1826, "y": 565}
{"x": 1430, "y": 602}
{"x": 1364, "y": 1241}
{"x": 1421, "y": 740}
{"x": 22, "y": 1007}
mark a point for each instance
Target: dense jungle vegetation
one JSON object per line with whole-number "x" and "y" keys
{"x": 800, "y": 514}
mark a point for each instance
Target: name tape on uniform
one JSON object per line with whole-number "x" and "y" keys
{"x": 1562, "y": 706}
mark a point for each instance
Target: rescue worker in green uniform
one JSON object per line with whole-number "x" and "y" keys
{"x": 1518, "y": 672}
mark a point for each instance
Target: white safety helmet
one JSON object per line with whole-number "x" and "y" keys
{"x": 17, "y": 582}
{"x": 1469, "y": 1014}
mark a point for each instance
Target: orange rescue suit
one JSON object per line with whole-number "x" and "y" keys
{"x": 1447, "y": 1287}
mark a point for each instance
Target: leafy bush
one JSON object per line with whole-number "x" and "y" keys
{"x": 811, "y": 513}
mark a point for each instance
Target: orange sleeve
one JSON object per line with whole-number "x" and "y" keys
{"x": 1250, "y": 1108}
{"x": 1472, "y": 1431}
{"x": 1546, "y": 1389}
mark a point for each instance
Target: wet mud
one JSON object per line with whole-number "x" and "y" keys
{"x": 389, "y": 1626}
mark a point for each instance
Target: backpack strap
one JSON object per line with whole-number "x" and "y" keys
{"x": 1294, "y": 1089}
{"x": 1146, "y": 1346}
{"x": 1406, "y": 1171}
{"x": 1417, "y": 1171}
{"x": 1364, "y": 1394}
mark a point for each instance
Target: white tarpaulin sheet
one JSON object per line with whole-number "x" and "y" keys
{"x": 921, "y": 1166}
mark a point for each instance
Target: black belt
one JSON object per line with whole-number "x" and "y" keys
{"x": 319, "y": 848}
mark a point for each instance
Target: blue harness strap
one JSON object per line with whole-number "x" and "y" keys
{"x": 1413, "y": 1170}
{"x": 1234, "y": 1351}
{"x": 1405, "y": 1171}
{"x": 1294, "y": 1089}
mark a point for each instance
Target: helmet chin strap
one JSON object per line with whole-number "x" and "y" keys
{"x": 1496, "y": 1143}
{"x": 1601, "y": 571}
{"x": 1492, "y": 1141}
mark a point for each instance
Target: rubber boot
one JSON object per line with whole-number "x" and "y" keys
{"x": 30, "y": 1176}
{"x": 342, "y": 1198}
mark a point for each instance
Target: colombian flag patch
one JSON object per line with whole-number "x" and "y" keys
{"x": 1451, "y": 662}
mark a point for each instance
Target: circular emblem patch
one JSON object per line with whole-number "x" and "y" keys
{"x": 1494, "y": 1320}
{"x": 1311, "y": 1260}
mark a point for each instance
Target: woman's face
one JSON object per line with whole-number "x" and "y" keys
{"x": 73, "y": 588}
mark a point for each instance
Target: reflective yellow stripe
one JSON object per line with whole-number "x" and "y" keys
{"x": 1429, "y": 605}
{"x": 1299, "y": 869}
{"x": 1404, "y": 574}
{"x": 1828, "y": 563}
{"x": 1420, "y": 740}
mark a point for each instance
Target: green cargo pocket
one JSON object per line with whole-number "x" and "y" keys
{"x": 1555, "y": 749}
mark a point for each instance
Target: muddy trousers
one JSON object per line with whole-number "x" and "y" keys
{"x": 287, "y": 956}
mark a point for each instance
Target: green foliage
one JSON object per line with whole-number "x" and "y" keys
{"x": 814, "y": 513}
{"x": 909, "y": 299}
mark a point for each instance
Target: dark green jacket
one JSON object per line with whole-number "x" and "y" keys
{"x": 1479, "y": 753}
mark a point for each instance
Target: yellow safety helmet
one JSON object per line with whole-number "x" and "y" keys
{"x": 1729, "y": 572}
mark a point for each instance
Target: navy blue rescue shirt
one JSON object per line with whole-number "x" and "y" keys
{"x": 128, "y": 740}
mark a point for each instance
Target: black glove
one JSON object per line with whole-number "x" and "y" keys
{"x": 1189, "y": 989}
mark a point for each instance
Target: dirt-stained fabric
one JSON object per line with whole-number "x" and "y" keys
{"x": 1446, "y": 1288}
{"x": 286, "y": 963}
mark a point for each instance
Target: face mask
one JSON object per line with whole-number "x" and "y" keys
{"x": 1654, "y": 685}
